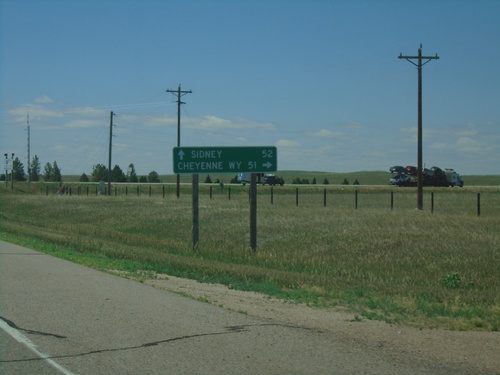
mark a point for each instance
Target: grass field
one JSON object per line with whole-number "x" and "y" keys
{"x": 421, "y": 268}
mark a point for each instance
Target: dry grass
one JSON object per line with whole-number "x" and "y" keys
{"x": 404, "y": 265}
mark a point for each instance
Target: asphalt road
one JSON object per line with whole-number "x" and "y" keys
{"x": 57, "y": 317}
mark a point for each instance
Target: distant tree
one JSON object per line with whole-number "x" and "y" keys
{"x": 314, "y": 181}
{"x": 117, "y": 175}
{"x": 234, "y": 180}
{"x": 356, "y": 182}
{"x": 153, "y": 177}
{"x": 48, "y": 172}
{"x": 18, "y": 170}
{"x": 208, "y": 180}
{"x": 299, "y": 181}
{"x": 132, "y": 176}
{"x": 2, "y": 177}
{"x": 35, "y": 169}
{"x": 345, "y": 182}
{"x": 99, "y": 172}
{"x": 84, "y": 178}
{"x": 325, "y": 182}
{"x": 143, "y": 179}
{"x": 57, "y": 172}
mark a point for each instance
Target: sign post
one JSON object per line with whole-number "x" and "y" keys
{"x": 8, "y": 167}
{"x": 253, "y": 212}
{"x": 254, "y": 160}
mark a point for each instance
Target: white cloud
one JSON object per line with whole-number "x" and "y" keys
{"x": 82, "y": 123}
{"x": 287, "y": 143}
{"x": 465, "y": 133}
{"x": 440, "y": 145}
{"x": 88, "y": 111}
{"x": 146, "y": 120}
{"x": 43, "y": 99}
{"x": 325, "y": 133}
{"x": 214, "y": 123}
{"x": 466, "y": 144}
{"x": 36, "y": 112}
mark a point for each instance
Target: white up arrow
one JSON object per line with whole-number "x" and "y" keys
{"x": 181, "y": 154}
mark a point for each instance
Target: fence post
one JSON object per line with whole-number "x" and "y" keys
{"x": 46, "y": 190}
{"x": 356, "y": 199}
{"x": 392, "y": 200}
{"x": 432, "y": 202}
{"x": 324, "y": 197}
{"x": 272, "y": 195}
{"x": 229, "y": 192}
{"x": 210, "y": 192}
{"x": 296, "y": 197}
{"x": 478, "y": 204}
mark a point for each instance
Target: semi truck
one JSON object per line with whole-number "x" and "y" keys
{"x": 262, "y": 178}
{"x": 435, "y": 176}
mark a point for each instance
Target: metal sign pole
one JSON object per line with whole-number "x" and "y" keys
{"x": 196, "y": 205}
{"x": 253, "y": 212}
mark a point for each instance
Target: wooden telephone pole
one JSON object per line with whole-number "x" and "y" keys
{"x": 419, "y": 65}
{"x": 179, "y": 93}
{"x": 110, "y": 146}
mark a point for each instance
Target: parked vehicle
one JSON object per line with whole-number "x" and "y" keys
{"x": 244, "y": 178}
{"x": 400, "y": 179}
{"x": 435, "y": 176}
{"x": 454, "y": 178}
{"x": 270, "y": 179}
{"x": 264, "y": 179}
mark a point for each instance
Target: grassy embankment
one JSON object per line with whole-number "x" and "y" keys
{"x": 412, "y": 267}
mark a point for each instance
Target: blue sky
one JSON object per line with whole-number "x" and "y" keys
{"x": 321, "y": 80}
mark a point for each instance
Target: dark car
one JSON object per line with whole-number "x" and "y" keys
{"x": 272, "y": 180}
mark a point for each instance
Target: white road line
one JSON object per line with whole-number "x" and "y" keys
{"x": 31, "y": 346}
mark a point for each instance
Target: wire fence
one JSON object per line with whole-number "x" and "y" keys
{"x": 457, "y": 201}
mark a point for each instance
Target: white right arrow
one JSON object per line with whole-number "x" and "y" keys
{"x": 267, "y": 165}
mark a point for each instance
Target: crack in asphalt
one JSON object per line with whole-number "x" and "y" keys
{"x": 229, "y": 330}
{"x": 30, "y": 331}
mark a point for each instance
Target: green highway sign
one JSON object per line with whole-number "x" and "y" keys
{"x": 192, "y": 160}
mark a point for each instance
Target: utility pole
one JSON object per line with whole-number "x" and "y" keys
{"x": 419, "y": 65}
{"x": 180, "y": 93}
{"x": 29, "y": 161}
{"x": 6, "y": 170}
{"x": 110, "y": 146}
